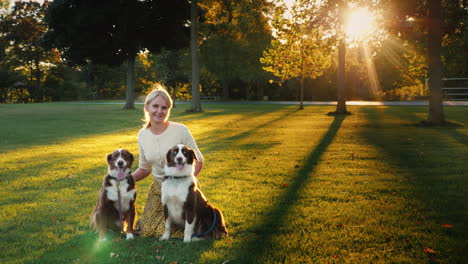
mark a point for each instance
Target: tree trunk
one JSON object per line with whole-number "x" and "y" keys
{"x": 130, "y": 83}
{"x": 38, "y": 83}
{"x": 259, "y": 90}
{"x": 341, "y": 92}
{"x": 436, "y": 112}
{"x": 225, "y": 90}
{"x": 301, "y": 95}
{"x": 196, "y": 105}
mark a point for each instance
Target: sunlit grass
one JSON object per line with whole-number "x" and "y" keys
{"x": 294, "y": 186}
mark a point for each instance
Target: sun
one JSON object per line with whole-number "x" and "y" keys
{"x": 360, "y": 24}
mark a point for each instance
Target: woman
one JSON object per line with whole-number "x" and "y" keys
{"x": 154, "y": 140}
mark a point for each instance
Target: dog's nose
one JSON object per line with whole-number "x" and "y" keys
{"x": 120, "y": 163}
{"x": 179, "y": 159}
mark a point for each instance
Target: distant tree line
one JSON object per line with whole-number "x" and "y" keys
{"x": 51, "y": 52}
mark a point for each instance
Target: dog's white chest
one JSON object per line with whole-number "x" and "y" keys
{"x": 174, "y": 193}
{"x": 125, "y": 196}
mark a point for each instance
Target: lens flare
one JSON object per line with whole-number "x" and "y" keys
{"x": 360, "y": 24}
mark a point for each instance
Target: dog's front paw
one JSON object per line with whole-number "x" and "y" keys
{"x": 187, "y": 239}
{"x": 130, "y": 236}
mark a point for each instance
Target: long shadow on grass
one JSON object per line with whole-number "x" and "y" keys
{"x": 251, "y": 251}
{"x": 260, "y": 126}
{"x": 436, "y": 173}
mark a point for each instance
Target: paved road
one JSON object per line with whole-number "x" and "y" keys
{"x": 388, "y": 103}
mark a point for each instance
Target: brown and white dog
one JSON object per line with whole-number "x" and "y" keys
{"x": 115, "y": 208}
{"x": 184, "y": 203}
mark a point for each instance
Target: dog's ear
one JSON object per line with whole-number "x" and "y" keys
{"x": 109, "y": 158}
{"x": 192, "y": 156}
{"x": 129, "y": 154}
{"x": 168, "y": 156}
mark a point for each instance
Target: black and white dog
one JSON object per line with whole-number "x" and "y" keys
{"x": 184, "y": 204}
{"x": 115, "y": 208}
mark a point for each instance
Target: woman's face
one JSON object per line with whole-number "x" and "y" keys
{"x": 158, "y": 110}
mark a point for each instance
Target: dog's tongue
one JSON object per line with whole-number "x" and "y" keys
{"x": 120, "y": 174}
{"x": 179, "y": 166}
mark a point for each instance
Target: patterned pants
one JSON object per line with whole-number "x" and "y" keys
{"x": 152, "y": 221}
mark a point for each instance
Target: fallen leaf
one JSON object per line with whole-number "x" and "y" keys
{"x": 340, "y": 226}
{"x": 447, "y": 226}
{"x": 429, "y": 251}
{"x": 285, "y": 185}
{"x": 419, "y": 223}
{"x": 173, "y": 262}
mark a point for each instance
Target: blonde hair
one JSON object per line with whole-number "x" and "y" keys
{"x": 158, "y": 90}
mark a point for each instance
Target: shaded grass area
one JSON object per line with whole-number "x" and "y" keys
{"x": 294, "y": 186}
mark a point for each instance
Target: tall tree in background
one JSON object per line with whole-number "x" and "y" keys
{"x": 235, "y": 33}
{"x": 23, "y": 30}
{"x": 436, "y": 114}
{"x": 425, "y": 23}
{"x": 111, "y": 33}
{"x": 330, "y": 15}
{"x": 297, "y": 51}
{"x": 196, "y": 105}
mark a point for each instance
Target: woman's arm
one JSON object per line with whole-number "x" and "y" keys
{"x": 140, "y": 174}
{"x": 198, "y": 167}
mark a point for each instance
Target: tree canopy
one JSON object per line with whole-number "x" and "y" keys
{"x": 110, "y": 32}
{"x": 297, "y": 51}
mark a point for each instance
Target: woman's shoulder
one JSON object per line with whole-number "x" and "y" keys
{"x": 178, "y": 126}
{"x": 143, "y": 132}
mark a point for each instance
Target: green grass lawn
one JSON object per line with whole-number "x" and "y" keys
{"x": 295, "y": 186}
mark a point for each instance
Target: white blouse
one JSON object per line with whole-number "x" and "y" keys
{"x": 153, "y": 148}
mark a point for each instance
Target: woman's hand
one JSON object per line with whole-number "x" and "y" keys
{"x": 140, "y": 174}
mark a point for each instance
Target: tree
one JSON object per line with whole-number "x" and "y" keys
{"x": 106, "y": 32}
{"x": 196, "y": 105}
{"x": 297, "y": 51}
{"x": 436, "y": 114}
{"x": 425, "y": 22}
{"x": 4, "y": 4}
{"x": 234, "y": 34}
{"x": 23, "y": 29}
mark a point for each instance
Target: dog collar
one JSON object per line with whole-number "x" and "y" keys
{"x": 174, "y": 177}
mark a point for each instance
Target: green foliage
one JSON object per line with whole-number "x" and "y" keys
{"x": 110, "y": 33}
{"x": 235, "y": 33}
{"x": 297, "y": 50}
{"x": 21, "y": 32}
{"x": 296, "y": 56}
